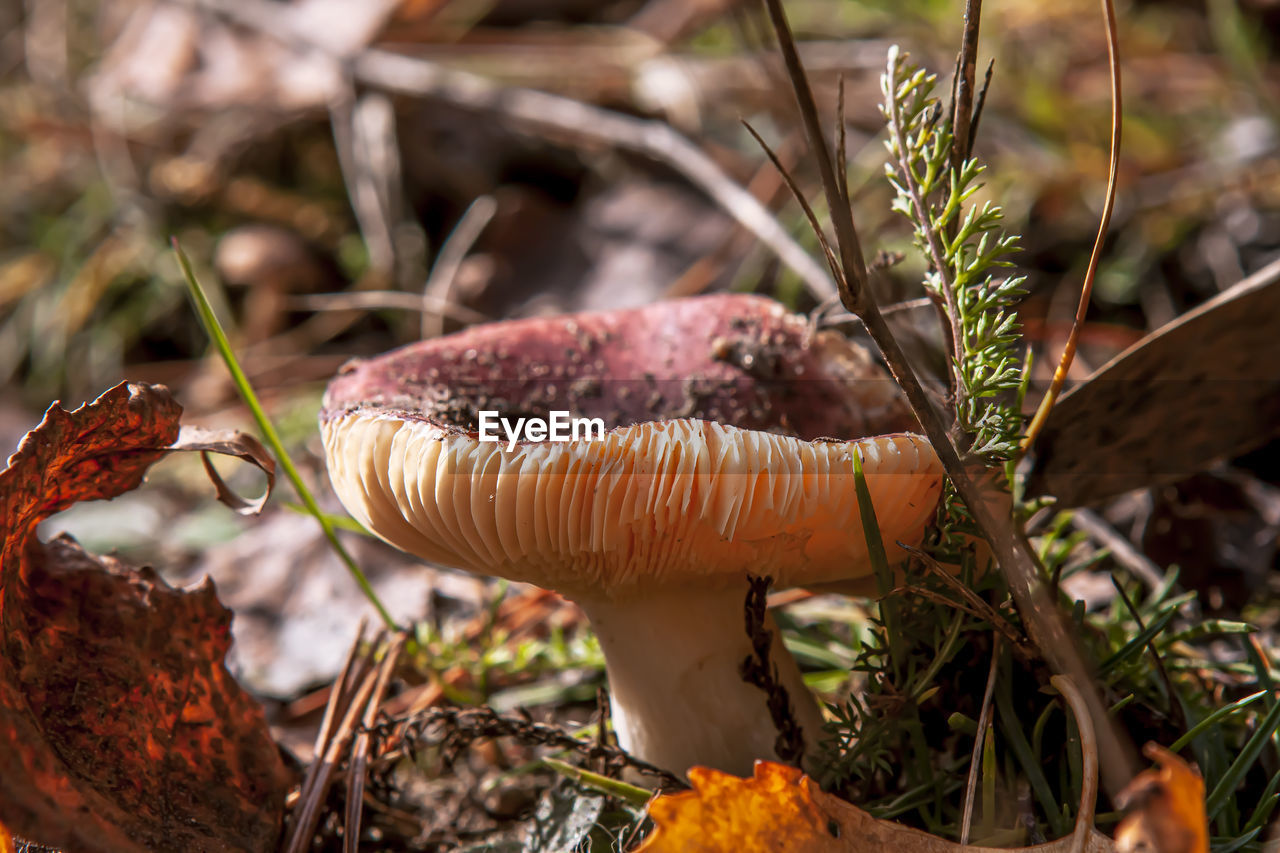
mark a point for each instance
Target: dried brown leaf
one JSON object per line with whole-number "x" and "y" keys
{"x": 780, "y": 808}
{"x": 1200, "y": 388}
{"x": 229, "y": 442}
{"x": 120, "y": 727}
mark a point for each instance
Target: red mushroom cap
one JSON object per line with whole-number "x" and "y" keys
{"x": 730, "y": 431}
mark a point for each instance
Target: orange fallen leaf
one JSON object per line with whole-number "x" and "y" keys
{"x": 1166, "y": 807}
{"x": 781, "y": 809}
{"x": 120, "y": 727}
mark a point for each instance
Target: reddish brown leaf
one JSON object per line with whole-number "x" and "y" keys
{"x": 120, "y": 728}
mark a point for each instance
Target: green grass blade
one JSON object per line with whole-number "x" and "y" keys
{"x": 631, "y": 794}
{"x": 219, "y": 339}
{"x": 1235, "y": 843}
{"x": 1011, "y": 727}
{"x": 1223, "y": 712}
{"x": 341, "y": 522}
{"x": 1266, "y": 803}
{"x": 1138, "y": 643}
{"x": 1226, "y": 786}
{"x": 879, "y": 562}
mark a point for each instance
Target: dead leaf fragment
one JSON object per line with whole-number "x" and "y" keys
{"x": 781, "y": 809}
{"x": 120, "y": 728}
{"x": 229, "y": 442}
{"x": 1167, "y": 808}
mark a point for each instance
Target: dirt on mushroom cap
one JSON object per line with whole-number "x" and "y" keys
{"x": 736, "y": 359}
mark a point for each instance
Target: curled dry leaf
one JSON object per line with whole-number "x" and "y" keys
{"x": 1166, "y": 808}
{"x": 780, "y": 808}
{"x": 229, "y": 442}
{"x": 120, "y": 727}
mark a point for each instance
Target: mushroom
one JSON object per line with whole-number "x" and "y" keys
{"x": 714, "y": 466}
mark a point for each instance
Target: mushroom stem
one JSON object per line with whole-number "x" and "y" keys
{"x": 678, "y": 699}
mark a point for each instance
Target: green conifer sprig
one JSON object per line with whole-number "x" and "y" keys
{"x": 966, "y": 250}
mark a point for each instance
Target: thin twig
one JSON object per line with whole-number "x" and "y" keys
{"x": 452, "y": 252}
{"x": 962, "y": 108}
{"x": 976, "y": 604}
{"x": 360, "y": 749}
{"x": 332, "y": 708}
{"x": 853, "y": 283}
{"x": 1086, "y": 291}
{"x": 832, "y": 262}
{"x": 1142, "y": 566}
{"x": 982, "y": 102}
{"x": 888, "y": 311}
{"x": 394, "y": 300}
{"x": 975, "y": 759}
{"x": 308, "y": 818}
{"x": 1079, "y": 705}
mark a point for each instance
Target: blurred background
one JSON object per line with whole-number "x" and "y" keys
{"x": 349, "y": 176}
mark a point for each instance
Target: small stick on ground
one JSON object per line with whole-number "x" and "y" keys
{"x": 339, "y": 692}
{"x": 324, "y": 765}
{"x": 1142, "y": 566}
{"x": 360, "y": 750}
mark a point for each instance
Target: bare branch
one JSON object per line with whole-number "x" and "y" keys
{"x": 962, "y": 108}
{"x": 853, "y": 285}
